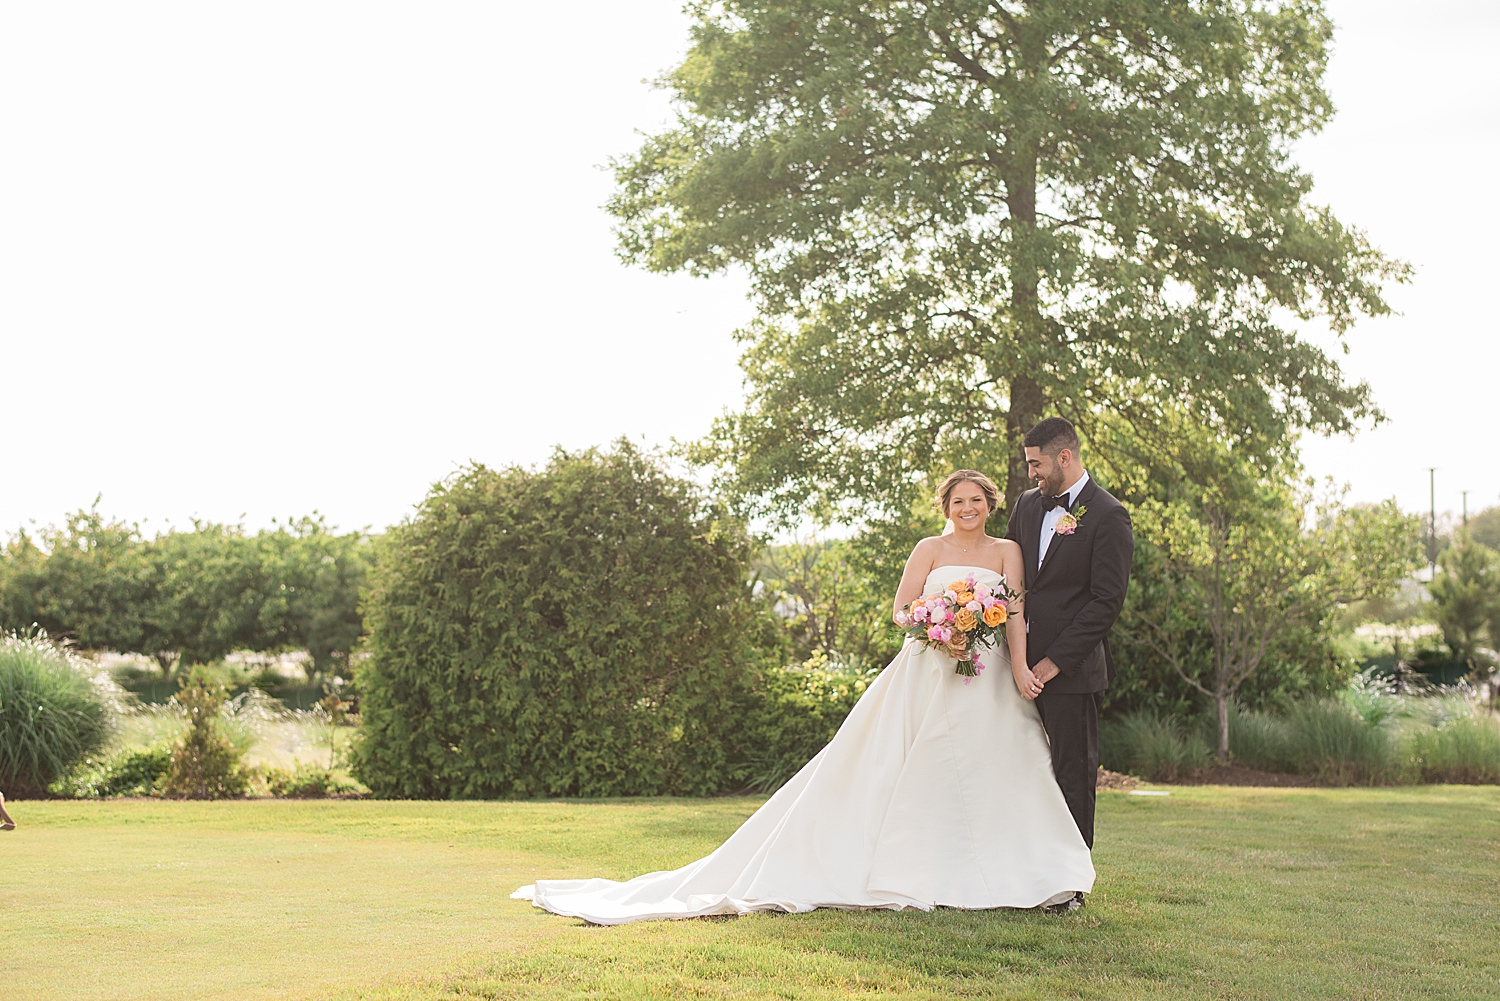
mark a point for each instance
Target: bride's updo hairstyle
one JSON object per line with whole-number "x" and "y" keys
{"x": 974, "y": 476}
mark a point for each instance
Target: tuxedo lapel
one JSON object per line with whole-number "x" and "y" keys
{"x": 1034, "y": 534}
{"x": 1084, "y": 496}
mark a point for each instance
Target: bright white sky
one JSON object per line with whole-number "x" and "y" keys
{"x": 257, "y": 260}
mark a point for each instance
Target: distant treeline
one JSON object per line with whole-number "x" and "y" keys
{"x": 189, "y": 596}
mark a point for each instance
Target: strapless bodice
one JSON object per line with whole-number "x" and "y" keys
{"x": 942, "y": 576}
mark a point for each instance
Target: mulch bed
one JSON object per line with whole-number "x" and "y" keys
{"x": 1115, "y": 782}
{"x": 1218, "y": 775}
{"x": 1239, "y": 775}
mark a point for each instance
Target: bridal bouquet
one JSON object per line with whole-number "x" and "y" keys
{"x": 959, "y": 620}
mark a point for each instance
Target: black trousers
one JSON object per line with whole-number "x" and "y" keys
{"x": 1072, "y": 724}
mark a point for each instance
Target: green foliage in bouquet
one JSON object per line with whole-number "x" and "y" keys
{"x": 581, "y": 630}
{"x": 205, "y": 762}
{"x": 53, "y": 714}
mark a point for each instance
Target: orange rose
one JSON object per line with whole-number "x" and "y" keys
{"x": 965, "y": 620}
{"x": 959, "y": 586}
{"x": 994, "y": 615}
{"x": 964, "y": 597}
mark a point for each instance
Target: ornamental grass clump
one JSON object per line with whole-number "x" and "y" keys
{"x": 1464, "y": 750}
{"x": 1152, "y": 745}
{"x": 205, "y": 762}
{"x": 1335, "y": 745}
{"x": 54, "y": 713}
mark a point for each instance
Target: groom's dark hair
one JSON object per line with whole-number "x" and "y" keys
{"x": 1052, "y": 436}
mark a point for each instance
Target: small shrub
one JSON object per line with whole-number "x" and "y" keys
{"x": 136, "y": 772}
{"x": 795, "y": 713}
{"x": 1464, "y": 750}
{"x": 1327, "y": 740}
{"x": 54, "y": 713}
{"x": 307, "y": 782}
{"x": 1153, "y": 746}
{"x": 205, "y": 763}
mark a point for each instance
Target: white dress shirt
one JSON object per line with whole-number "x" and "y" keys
{"x": 1049, "y": 520}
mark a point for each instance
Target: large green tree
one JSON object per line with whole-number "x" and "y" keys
{"x": 959, "y": 216}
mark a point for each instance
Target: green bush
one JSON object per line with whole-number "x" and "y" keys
{"x": 307, "y": 782}
{"x": 205, "y": 762}
{"x": 1463, "y": 750}
{"x": 794, "y": 713}
{"x": 581, "y": 630}
{"x": 53, "y": 714}
{"x": 136, "y": 772}
{"x": 1152, "y": 745}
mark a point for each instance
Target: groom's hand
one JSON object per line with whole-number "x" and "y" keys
{"x": 1046, "y": 670}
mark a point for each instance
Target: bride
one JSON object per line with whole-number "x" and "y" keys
{"x": 933, "y": 793}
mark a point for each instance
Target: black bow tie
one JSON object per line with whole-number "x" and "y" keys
{"x": 1061, "y": 500}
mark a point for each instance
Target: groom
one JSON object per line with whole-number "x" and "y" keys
{"x": 1077, "y": 544}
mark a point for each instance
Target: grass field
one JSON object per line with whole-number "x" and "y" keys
{"x": 1208, "y": 893}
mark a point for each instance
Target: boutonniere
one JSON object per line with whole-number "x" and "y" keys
{"x": 1068, "y": 523}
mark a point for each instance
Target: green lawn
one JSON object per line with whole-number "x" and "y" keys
{"x": 1208, "y": 893}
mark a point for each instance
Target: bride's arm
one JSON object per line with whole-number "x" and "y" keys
{"x": 918, "y": 566}
{"x": 1015, "y": 624}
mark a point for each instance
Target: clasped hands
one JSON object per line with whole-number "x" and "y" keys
{"x": 1031, "y": 682}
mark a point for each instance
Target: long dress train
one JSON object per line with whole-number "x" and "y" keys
{"x": 932, "y": 793}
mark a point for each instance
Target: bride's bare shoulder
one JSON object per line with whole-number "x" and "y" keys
{"x": 931, "y": 544}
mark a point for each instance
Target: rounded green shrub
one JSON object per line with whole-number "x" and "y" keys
{"x": 585, "y": 629}
{"x": 54, "y": 714}
{"x": 134, "y": 772}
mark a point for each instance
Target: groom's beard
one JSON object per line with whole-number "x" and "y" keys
{"x": 1052, "y": 484}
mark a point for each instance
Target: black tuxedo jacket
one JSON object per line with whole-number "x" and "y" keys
{"x": 1074, "y": 599}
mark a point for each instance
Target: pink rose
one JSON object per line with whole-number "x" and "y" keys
{"x": 935, "y": 633}
{"x": 974, "y": 606}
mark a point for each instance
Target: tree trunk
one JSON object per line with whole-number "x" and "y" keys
{"x": 1026, "y": 398}
{"x": 1026, "y": 403}
{"x": 1221, "y": 703}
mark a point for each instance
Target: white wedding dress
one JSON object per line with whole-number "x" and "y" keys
{"x": 932, "y": 793}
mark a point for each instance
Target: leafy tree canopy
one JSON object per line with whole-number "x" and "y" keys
{"x": 1466, "y": 600}
{"x": 187, "y": 595}
{"x": 958, "y": 216}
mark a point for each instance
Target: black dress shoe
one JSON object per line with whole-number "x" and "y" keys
{"x": 1067, "y": 906}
